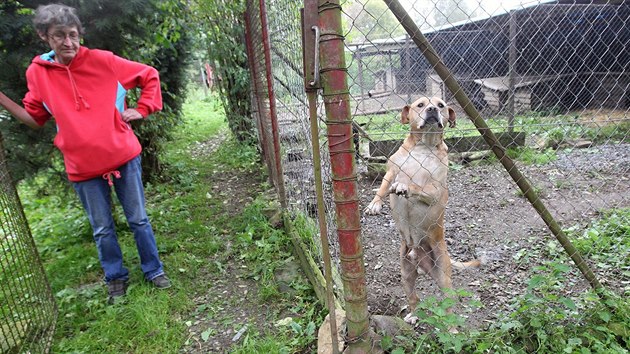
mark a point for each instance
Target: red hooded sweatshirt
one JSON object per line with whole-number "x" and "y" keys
{"x": 86, "y": 99}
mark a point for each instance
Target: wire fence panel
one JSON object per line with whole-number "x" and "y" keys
{"x": 284, "y": 31}
{"x": 28, "y": 310}
{"x": 551, "y": 80}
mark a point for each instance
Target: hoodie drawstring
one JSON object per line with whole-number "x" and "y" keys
{"x": 108, "y": 176}
{"x": 75, "y": 92}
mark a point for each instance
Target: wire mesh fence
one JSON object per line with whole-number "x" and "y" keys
{"x": 551, "y": 80}
{"x": 28, "y": 311}
{"x": 292, "y": 111}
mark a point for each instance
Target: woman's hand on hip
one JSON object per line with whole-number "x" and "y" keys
{"x": 131, "y": 114}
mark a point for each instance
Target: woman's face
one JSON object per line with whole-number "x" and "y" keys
{"x": 64, "y": 40}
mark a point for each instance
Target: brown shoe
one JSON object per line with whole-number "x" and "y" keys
{"x": 161, "y": 282}
{"x": 116, "y": 289}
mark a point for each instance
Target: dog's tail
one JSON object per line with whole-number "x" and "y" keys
{"x": 475, "y": 263}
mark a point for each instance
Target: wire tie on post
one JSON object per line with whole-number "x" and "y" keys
{"x": 345, "y": 179}
{"x": 353, "y": 258}
{"x": 338, "y": 93}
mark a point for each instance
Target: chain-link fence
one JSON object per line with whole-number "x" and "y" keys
{"x": 553, "y": 78}
{"x": 29, "y": 311}
{"x": 550, "y": 78}
{"x": 291, "y": 107}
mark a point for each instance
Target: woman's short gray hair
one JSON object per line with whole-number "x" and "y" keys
{"x": 56, "y": 15}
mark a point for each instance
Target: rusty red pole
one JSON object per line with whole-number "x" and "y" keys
{"x": 272, "y": 107}
{"x": 339, "y": 123}
{"x": 253, "y": 69}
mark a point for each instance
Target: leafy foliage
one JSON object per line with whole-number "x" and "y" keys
{"x": 371, "y": 20}
{"x": 546, "y": 319}
{"x": 607, "y": 242}
{"x": 222, "y": 38}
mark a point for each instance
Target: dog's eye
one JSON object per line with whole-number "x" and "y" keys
{"x": 440, "y": 105}
{"x": 420, "y": 104}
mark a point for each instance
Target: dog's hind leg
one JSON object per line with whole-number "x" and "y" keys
{"x": 441, "y": 268}
{"x": 409, "y": 272}
{"x": 441, "y": 272}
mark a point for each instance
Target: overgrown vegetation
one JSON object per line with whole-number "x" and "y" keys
{"x": 556, "y": 128}
{"x": 544, "y": 134}
{"x": 222, "y": 39}
{"x": 546, "y": 319}
{"x": 607, "y": 242}
{"x": 541, "y": 322}
{"x": 192, "y": 225}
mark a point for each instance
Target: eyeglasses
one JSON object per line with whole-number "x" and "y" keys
{"x": 61, "y": 36}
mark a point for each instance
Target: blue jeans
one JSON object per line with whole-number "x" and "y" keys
{"x": 95, "y": 195}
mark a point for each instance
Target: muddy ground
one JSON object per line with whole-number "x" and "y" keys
{"x": 486, "y": 218}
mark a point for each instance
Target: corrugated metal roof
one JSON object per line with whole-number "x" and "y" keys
{"x": 388, "y": 44}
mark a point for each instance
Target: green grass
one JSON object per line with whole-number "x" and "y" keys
{"x": 192, "y": 226}
{"x": 553, "y": 129}
{"x": 388, "y": 126}
{"x": 556, "y": 127}
{"x": 606, "y": 241}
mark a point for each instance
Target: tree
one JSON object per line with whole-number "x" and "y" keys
{"x": 222, "y": 32}
{"x": 435, "y": 13}
{"x": 370, "y": 20}
{"x": 150, "y": 31}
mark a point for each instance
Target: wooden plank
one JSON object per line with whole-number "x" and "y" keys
{"x": 456, "y": 144}
{"x": 309, "y": 265}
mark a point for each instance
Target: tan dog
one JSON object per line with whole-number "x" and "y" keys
{"x": 416, "y": 179}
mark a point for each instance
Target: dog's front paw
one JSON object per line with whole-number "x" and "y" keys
{"x": 400, "y": 189}
{"x": 374, "y": 208}
{"x": 411, "y": 318}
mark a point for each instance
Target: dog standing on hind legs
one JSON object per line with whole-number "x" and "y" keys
{"x": 416, "y": 183}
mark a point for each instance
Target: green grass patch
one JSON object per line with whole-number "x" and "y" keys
{"x": 530, "y": 156}
{"x": 554, "y": 130}
{"x": 541, "y": 321}
{"x": 387, "y": 126}
{"x": 192, "y": 225}
{"x": 546, "y": 319}
{"x": 606, "y": 241}
{"x": 266, "y": 251}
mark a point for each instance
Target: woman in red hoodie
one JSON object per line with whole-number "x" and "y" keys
{"x": 84, "y": 91}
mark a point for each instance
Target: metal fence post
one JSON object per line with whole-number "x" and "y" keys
{"x": 256, "y": 91}
{"x": 344, "y": 178}
{"x": 271, "y": 114}
{"x": 272, "y": 108}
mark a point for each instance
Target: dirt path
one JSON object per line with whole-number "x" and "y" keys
{"x": 230, "y": 307}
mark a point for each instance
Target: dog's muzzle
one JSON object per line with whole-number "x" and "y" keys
{"x": 432, "y": 118}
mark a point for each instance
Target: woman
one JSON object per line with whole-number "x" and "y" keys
{"x": 84, "y": 91}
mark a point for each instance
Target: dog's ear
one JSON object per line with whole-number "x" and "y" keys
{"x": 404, "y": 115}
{"x": 451, "y": 117}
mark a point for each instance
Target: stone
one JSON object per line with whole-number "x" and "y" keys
{"x": 324, "y": 335}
